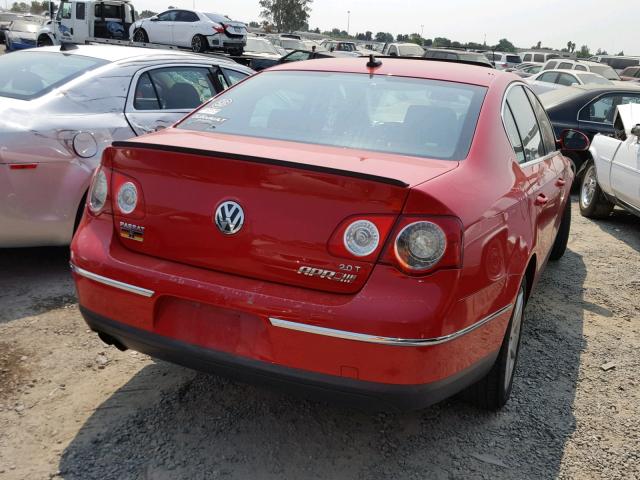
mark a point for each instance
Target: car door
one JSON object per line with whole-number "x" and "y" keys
{"x": 543, "y": 166}
{"x": 160, "y": 28}
{"x": 184, "y": 28}
{"x": 65, "y": 21}
{"x": 625, "y": 172}
{"x": 160, "y": 96}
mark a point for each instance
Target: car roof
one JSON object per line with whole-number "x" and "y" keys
{"x": 401, "y": 67}
{"x": 119, "y": 53}
{"x": 556, "y": 97}
{"x": 586, "y": 63}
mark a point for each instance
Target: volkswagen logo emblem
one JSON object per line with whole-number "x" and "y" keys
{"x": 229, "y": 218}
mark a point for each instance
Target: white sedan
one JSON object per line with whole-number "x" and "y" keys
{"x": 199, "y": 31}
{"x": 613, "y": 177}
{"x": 548, "y": 80}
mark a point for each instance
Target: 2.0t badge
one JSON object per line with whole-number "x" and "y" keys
{"x": 229, "y": 218}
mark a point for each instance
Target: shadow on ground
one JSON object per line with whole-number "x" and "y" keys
{"x": 210, "y": 427}
{"x": 34, "y": 281}
{"x": 622, "y": 225}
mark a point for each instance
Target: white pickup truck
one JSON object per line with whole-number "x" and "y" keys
{"x": 85, "y": 21}
{"x": 613, "y": 177}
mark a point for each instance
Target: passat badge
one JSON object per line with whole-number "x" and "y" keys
{"x": 229, "y": 218}
{"x": 132, "y": 232}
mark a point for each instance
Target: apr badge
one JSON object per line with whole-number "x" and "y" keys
{"x": 327, "y": 274}
{"x": 132, "y": 232}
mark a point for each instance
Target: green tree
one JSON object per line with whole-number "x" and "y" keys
{"x": 621, "y": 54}
{"x": 428, "y": 43}
{"x": 538, "y": 46}
{"x": 19, "y": 7}
{"x": 505, "y": 45}
{"x": 584, "y": 52}
{"x": 384, "y": 37}
{"x": 286, "y": 15}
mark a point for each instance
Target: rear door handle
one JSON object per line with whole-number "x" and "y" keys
{"x": 561, "y": 182}
{"x": 542, "y": 199}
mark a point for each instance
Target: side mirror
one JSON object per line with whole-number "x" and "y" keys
{"x": 636, "y": 131}
{"x": 574, "y": 141}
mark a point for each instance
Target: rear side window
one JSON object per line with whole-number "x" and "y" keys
{"x": 538, "y": 57}
{"x": 566, "y": 80}
{"x": 526, "y": 123}
{"x": 513, "y": 134}
{"x": 418, "y": 117}
{"x": 184, "y": 16}
{"x": 527, "y": 57}
{"x": 548, "y": 136}
{"x": 549, "y": 77}
{"x": 565, "y": 66}
{"x": 582, "y": 68}
{"x": 173, "y": 88}
{"x": 234, "y": 76}
{"x": 551, "y": 65}
{"x": 32, "y": 74}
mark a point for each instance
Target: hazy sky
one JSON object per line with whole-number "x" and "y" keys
{"x": 612, "y": 25}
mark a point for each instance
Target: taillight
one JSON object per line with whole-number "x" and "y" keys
{"x": 361, "y": 237}
{"x": 421, "y": 245}
{"x": 99, "y": 192}
{"x": 219, "y": 29}
{"x": 127, "y": 196}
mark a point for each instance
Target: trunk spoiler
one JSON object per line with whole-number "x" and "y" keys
{"x": 265, "y": 161}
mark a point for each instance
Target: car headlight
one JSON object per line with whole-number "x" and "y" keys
{"x": 420, "y": 245}
{"x": 99, "y": 190}
{"x": 127, "y": 198}
{"x": 362, "y": 238}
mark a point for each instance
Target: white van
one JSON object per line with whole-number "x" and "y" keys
{"x": 538, "y": 57}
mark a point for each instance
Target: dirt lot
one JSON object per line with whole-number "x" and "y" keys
{"x": 72, "y": 408}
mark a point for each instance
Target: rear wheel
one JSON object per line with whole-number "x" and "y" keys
{"x": 562, "y": 238}
{"x": 593, "y": 201}
{"x": 140, "y": 36}
{"x": 493, "y": 391}
{"x": 199, "y": 44}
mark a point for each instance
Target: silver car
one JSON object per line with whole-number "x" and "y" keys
{"x": 60, "y": 109}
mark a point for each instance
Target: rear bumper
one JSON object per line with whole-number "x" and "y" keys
{"x": 397, "y": 334}
{"x": 370, "y": 395}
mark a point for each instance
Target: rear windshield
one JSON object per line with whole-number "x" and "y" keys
{"x": 589, "y": 78}
{"x": 606, "y": 71}
{"x": 418, "y": 117}
{"x": 407, "y": 50}
{"x": 291, "y": 44}
{"x": 514, "y": 59}
{"x": 29, "y": 75}
{"x": 215, "y": 17}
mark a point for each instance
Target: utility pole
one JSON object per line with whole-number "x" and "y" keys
{"x": 421, "y": 31}
{"x": 348, "y": 21}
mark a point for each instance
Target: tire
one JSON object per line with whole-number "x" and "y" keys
{"x": 492, "y": 392}
{"x": 199, "y": 44}
{"x": 593, "y": 202}
{"x": 140, "y": 36}
{"x": 562, "y": 237}
{"x": 44, "y": 41}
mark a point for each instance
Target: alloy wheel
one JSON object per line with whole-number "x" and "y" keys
{"x": 588, "y": 190}
{"x": 514, "y": 339}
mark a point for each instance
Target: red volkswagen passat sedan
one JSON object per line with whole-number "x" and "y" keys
{"x": 343, "y": 226}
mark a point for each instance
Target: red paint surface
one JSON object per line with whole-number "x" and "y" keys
{"x": 218, "y": 292}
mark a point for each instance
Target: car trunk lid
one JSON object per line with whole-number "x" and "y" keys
{"x": 294, "y": 197}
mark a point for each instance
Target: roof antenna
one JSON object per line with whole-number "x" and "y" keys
{"x": 373, "y": 62}
{"x": 66, "y": 46}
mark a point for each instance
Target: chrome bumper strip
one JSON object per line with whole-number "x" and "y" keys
{"x": 398, "y": 342}
{"x": 112, "y": 283}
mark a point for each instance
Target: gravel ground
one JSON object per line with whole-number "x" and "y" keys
{"x": 72, "y": 408}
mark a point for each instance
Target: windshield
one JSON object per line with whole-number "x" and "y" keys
{"x": 29, "y": 75}
{"x": 589, "y": 78}
{"x": 291, "y": 44}
{"x": 259, "y": 46}
{"x": 605, "y": 71}
{"x": 418, "y": 117}
{"x": 24, "y": 27}
{"x": 408, "y": 50}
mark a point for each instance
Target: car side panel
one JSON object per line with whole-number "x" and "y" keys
{"x": 625, "y": 172}
{"x": 603, "y": 149}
